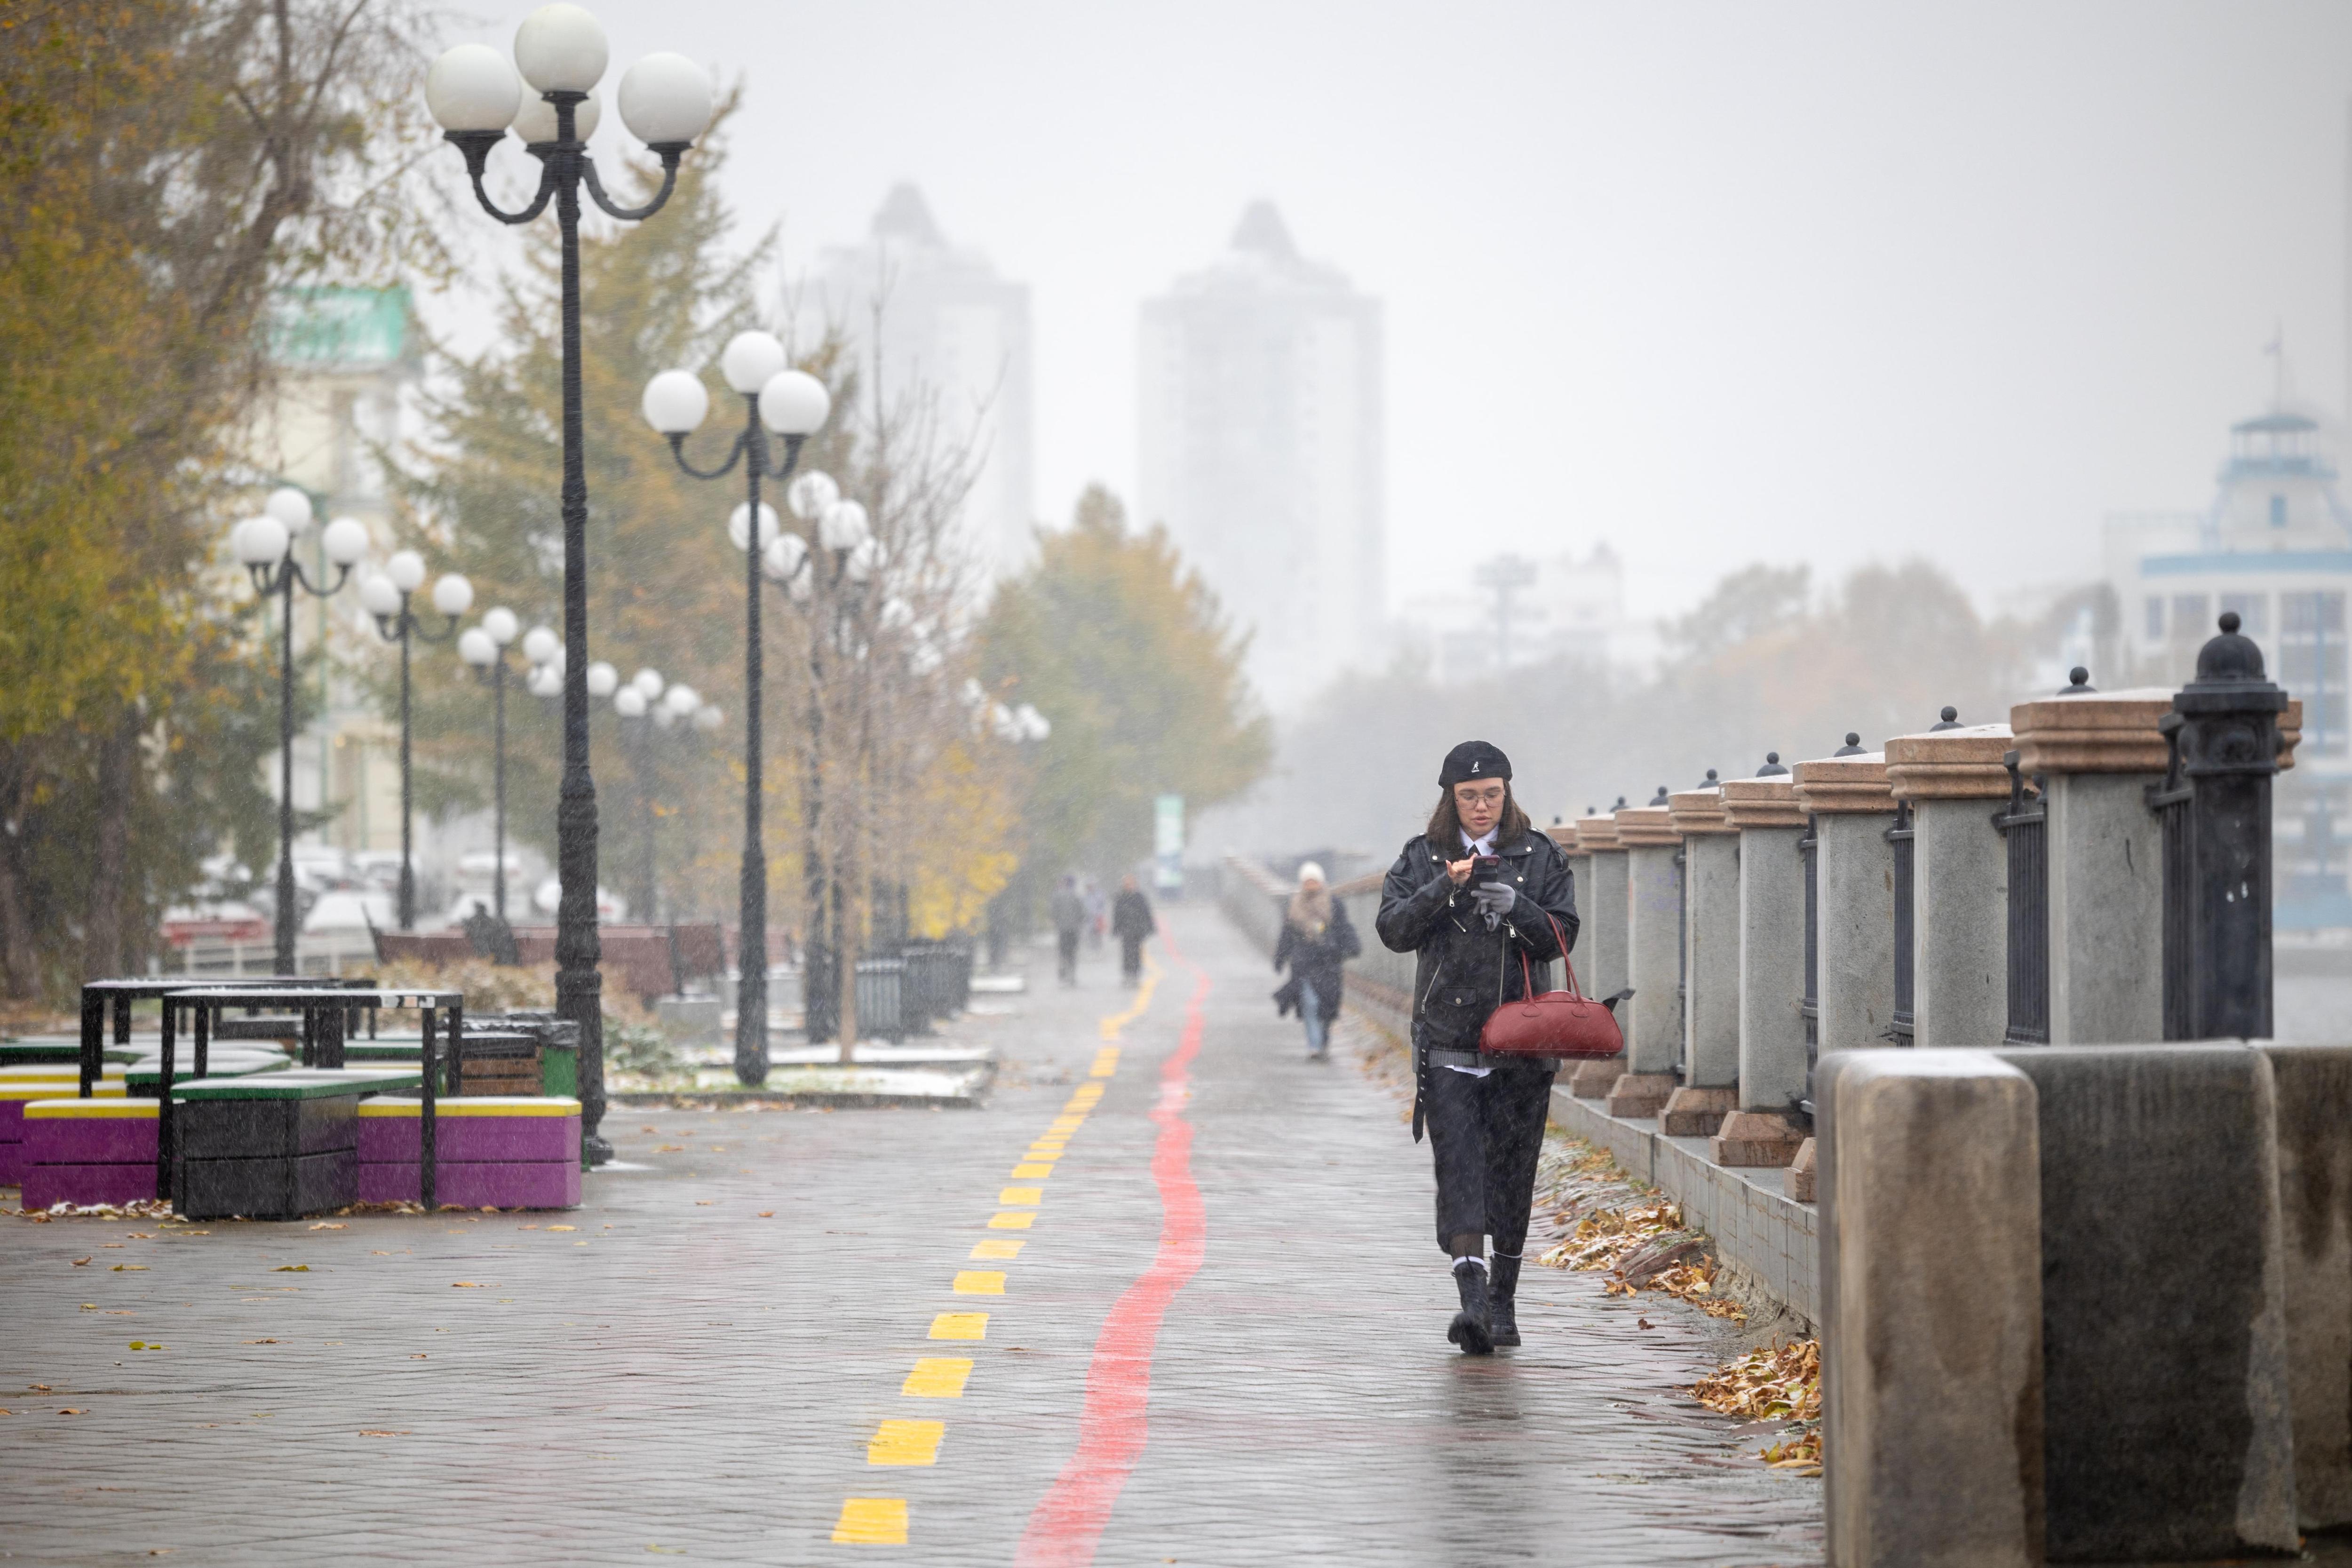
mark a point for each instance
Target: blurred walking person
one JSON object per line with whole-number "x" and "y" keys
{"x": 1317, "y": 940}
{"x": 1471, "y": 895}
{"x": 1069, "y": 912}
{"x": 1097, "y": 913}
{"x": 1131, "y": 921}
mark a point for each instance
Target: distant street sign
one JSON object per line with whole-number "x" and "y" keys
{"x": 1167, "y": 843}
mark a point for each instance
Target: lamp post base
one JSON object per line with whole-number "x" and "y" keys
{"x": 579, "y": 998}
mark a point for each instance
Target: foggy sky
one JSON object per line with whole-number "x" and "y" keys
{"x": 1711, "y": 282}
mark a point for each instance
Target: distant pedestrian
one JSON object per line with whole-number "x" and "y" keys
{"x": 1069, "y": 912}
{"x": 1317, "y": 940}
{"x": 1470, "y": 895}
{"x": 1131, "y": 921}
{"x": 1097, "y": 913}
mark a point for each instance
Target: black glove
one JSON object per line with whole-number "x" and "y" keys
{"x": 1496, "y": 900}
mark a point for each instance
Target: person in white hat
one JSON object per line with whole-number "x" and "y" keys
{"x": 1317, "y": 940}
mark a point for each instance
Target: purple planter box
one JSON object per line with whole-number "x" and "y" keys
{"x": 497, "y": 1183}
{"x": 12, "y": 1164}
{"x": 14, "y": 1097}
{"x": 91, "y": 1140}
{"x": 485, "y": 1130}
{"x": 88, "y": 1184}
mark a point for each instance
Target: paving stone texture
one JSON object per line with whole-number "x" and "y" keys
{"x": 719, "y": 1358}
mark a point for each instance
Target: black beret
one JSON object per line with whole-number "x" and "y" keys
{"x": 1474, "y": 759}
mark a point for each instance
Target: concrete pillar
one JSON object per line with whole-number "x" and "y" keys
{"x": 2314, "y": 1086}
{"x": 1652, "y": 1017}
{"x": 1852, "y": 808}
{"x": 2099, "y": 752}
{"x": 1710, "y": 1088}
{"x": 1601, "y": 947}
{"x": 1931, "y": 1311}
{"x": 1953, "y": 779}
{"x": 1764, "y": 813}
{"x": 2166, "y": 1391}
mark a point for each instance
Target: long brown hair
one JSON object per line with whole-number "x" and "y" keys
{"x": 1445, "y": 823}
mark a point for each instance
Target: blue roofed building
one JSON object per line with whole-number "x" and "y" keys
{"x": 2275, "y": 546}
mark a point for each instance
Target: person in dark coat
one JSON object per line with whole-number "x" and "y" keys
{"x": 1068, "y": 908}
{"x": 1470, "y": 895}
{"x": 1131, "y": 922}
{"x": 1317, "y": 940}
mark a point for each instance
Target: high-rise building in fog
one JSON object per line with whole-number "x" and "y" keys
{"x": 1262, "y": 449}
{"x": 950, "y": 328}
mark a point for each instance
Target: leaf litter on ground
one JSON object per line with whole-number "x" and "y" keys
{"x": 1644, "y": 1243}
{"x": 1774, "y": 1383}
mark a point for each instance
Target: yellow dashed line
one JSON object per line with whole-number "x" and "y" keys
{"x": 1117, "y": 1020}
{"x": 882, "y": 1521}
{"x": 937, "y": 1378}
{"x": 872, "y": 1521}
{"x": 906, "y": 1443}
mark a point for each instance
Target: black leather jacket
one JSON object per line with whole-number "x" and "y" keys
{"x": 1463, "y": 971}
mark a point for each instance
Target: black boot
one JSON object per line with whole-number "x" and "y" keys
{"x": 1501, "y": 1309}
{"x": 1470, "y": 1328}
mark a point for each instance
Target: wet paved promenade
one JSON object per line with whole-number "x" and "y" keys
{"x": 1200, "y": 1321}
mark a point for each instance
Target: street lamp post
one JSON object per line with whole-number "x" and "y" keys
{"x": 793, "y": 404}
{"x": 647, "y": 699}
{"x": 837, "y": 551}
{"x": 484, "y": 647}
{"x": 666, "y": 99}
{"x": 384, "y": 594}
{"x": 264, "y": 546}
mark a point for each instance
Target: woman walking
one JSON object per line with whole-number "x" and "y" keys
{"x": 1472, "y": 895}
{"x": 1317, "y": 940}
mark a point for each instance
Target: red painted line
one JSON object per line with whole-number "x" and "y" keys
{"x": 1068, "y": 1522}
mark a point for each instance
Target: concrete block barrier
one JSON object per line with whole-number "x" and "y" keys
{"x": 2167, "y": 1392}
{"x": 1932, "y": 1332}
{"x": 2314, "y": 1086}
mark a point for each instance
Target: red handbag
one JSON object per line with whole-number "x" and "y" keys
{"x": 1556, "y": 1024}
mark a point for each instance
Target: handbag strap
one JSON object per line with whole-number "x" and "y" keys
{"x": 1526, "y": 973}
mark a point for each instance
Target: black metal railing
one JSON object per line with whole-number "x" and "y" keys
{"x": 1682, "y": 964}
{"x": 881, "y": 999}
{"x": 1809, "y": 849}
{"x": 2025, "y": 826}
{"x": 2171, "y": 801}
{"x": 1900, "y": 839}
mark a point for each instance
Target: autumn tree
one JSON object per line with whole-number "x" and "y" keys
{"x": 165, "y": 166}
{"x": 1127, "y": 653}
